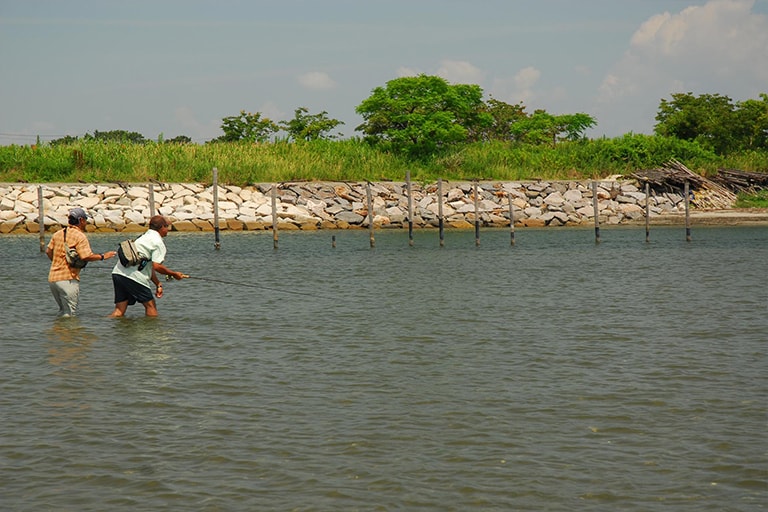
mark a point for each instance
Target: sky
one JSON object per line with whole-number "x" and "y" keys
{"x": 165, "y": 68}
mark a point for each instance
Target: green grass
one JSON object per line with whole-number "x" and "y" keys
{"x": 354, "y": 160}
{"x": 758, "y": 200}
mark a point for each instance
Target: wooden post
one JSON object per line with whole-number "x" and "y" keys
{"x": 41, "y": 217}
{"x": 151, "y": 200}
{"x": 477, "y": 215}
{"x": 370, "y": 213}
{"x": 274, "y": 215}
{"x": 440, "y": 225}
{"x": 687, "y": 211}
{"x": 216, "y": 243}
{"x": 511, "y": 221}
{"x": 597, "y": 212}
{"x": 410, "y": 207}
{"x": 647, "y": 212}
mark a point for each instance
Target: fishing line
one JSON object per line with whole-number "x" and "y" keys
{"x": 233, "y": 283}
{"x": 249, "y": 285}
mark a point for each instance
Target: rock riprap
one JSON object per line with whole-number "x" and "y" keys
{"x": 328, "y": 205}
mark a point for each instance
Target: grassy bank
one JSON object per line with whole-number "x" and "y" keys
{"x": 353, "y": 160}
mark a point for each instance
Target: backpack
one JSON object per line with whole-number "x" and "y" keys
{"x": 130, "y": 256}
{"x": 70, "y": 254}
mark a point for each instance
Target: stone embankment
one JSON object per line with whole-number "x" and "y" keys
{"x": 323, "y": 205}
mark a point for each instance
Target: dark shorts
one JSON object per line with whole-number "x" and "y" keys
{"x": 131, "y": 291}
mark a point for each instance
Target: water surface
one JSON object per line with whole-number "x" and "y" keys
{"x": 558, "y": 374}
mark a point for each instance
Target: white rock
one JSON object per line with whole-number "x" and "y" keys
{"x": 28, "y": 197}
{"x": 22, "y": 207}
{"x": 115, "y": 191}
{"x": 137, "y": 192}
{"x": 134, "y": 217}
{"x": 227, "y": 205}
{"x": 88, "y": 202}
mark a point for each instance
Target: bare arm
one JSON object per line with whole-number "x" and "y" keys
{"x": 162, "y": 269}
{"x": 100, "y": 256}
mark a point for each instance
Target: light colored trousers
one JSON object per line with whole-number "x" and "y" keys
{"x": 67, "y": 295}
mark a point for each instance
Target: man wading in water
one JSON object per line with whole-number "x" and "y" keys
{"x": 132, "y": 284}
{"x": 65, "y": 279}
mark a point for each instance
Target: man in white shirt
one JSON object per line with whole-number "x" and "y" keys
{"x": 132, "y": 284}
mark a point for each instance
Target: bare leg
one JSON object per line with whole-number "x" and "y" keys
{"x": 120, "y": 308}
{"x": 150, "y": 307}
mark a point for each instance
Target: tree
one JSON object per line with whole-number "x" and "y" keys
{"x": 420, "y": 114}
{"x": 122, "y": 136}
{"x": 709, "y": 119}
{"x": 751, "y": 123}
{"x": 179, "y": 139}
{"x": 64, "y": 141}
{"x": 503, "y": 117}
{"x": 544, "y": 128}
{"x": 305, "y": 126}
{"x": 247, "y": 127}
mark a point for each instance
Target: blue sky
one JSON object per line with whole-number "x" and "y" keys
{"x": 177, "y": 67}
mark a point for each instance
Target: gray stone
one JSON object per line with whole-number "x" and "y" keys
{"x": 349, "y": 217}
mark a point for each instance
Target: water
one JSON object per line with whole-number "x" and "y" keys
{"x": 554, "y": 375}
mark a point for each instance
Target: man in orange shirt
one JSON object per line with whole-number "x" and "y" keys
{"x": 64, "y": 280}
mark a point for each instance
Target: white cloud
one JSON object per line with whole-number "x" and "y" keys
{"x": 527, "y": 78}
{"x": 519, "y": 88}
{"x": 270, "y": 110}
{"x": 404, "y": 71}
{"x": 316, "y": 80}
{"x": 189, "y": 124}
{"x": 720, "y": 47}
{"x": 460, "y": 72}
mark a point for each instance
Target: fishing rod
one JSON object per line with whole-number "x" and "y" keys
{"x": 234, "y": 283}
{"x": 247, "y": 285}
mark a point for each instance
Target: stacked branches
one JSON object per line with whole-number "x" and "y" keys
{"x": 673, "y": 176}
{"x": 742, "y": 181}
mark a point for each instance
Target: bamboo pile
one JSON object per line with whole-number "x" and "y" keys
{"x": 672, "y": 178}
{"x": 742, "y": 181}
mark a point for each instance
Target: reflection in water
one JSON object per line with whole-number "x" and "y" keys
{"x": 148, "y": 340}
{"x": 555, "y": 375}
{"x": 70, "y": 344}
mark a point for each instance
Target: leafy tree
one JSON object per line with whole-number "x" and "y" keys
{"x": 544, "y": 128}
{"x": 420, "y": 114}
{"x": 707, "y": 119}
{"x": 305, "y": 126}
{"x": 751, "y": 123}
{"x": 247, "y": 127}
{"x": 64, "y": 141}
{"x": 715, "y": 121}
{"x": 503, "y": 117}
{"x": 122, "y": 136}
{"x": 180, "y": 139}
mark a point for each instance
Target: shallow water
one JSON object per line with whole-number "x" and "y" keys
{"x": 553, "y": 375}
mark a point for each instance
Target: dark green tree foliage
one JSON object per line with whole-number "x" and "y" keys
{"x": 751, "y": 123}
{"x": 715, "y": 121}
{"x": 63, "y": 141}
{"x": 417, "y": 115}
{"x": 544, "y": 128}
{"x": 247, "y": 127}
{"x": 181, "y": 139}
{"x": 503, "y": 117}
{"x": 306, "y": 126}
{"x": 121, "y": 136}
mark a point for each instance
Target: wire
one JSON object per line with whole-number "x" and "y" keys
{"x": 248, "y": 285}
{"x": 235, "y": 283}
